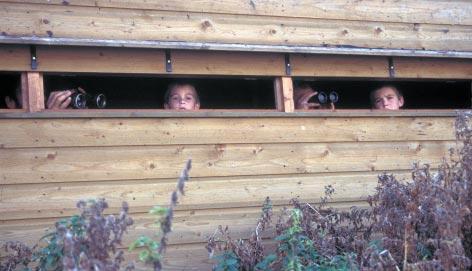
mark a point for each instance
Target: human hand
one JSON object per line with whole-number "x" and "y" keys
{"x": 302, "y": 101}
{"x": 59, "y": 99}
{"x": 11, "y": 104}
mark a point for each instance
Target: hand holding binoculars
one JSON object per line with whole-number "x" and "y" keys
{"x": 80, "y": 99}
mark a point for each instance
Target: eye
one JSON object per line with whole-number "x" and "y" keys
{"x": 189, "y": 98}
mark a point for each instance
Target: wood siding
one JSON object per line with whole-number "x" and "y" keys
{"x": 46, "y": 165}
{"x": 406, "y": 24}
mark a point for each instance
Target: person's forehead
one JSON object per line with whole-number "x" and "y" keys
{"x": 385, "y": 91}
{"x": 185, "y": 89}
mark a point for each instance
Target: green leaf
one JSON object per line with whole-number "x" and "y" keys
{"x": 158, "y": 210}
{"x": 153, "y": 245}
{"x": 144, "y": 255}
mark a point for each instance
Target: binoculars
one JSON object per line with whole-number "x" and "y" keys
{"x": 82, "y": 100}
{"x": 324, "y": 98}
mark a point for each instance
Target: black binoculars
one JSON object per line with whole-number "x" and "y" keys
{"x": 324, "y": 98}
{"x": 82, "y": 100}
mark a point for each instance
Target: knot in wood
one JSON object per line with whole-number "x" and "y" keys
{"x": 206, "y": 24}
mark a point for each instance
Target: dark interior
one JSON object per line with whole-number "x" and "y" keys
{"x": 8, "y": 82}
{"x": 145, "y": 92}
{"x": 418, "y": 94}
{"x": 148, "y": 92}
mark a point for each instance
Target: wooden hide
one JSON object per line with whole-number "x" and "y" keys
{"x": 46, "y": 165}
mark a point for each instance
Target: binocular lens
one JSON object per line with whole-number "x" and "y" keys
{"x": 79, "y": 101}
{"x": 322, "y": 97}
{"x": 333, "y": 97}
{"x": 100, "y": 101}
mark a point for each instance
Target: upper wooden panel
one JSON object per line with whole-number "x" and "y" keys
{"x": 99, "y": 60}
{"x": 342, "y": 66}
{"x": 227, "y": 63}
{"x": 66, "y": 21}
{"x": 15, "y": 58}
{"x": 407, "y": 67}
{"x": 404, "y": 11}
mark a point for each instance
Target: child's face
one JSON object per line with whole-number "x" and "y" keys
{"x": 182, "y": 98}
{"x": 387, "y": 98}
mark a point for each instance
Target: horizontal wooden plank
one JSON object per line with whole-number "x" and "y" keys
{"x": 27, "y": 20}
{"x": 406, "y": 11}
{"x": 15, "y": 58}
{"x": 189, "y": 227}
{"x": 44, "y": 165}
{"x": 100, "y": 60}
{"x": 338, "y": 66}
{"x": 204, "y": 113}
{"x": 57, "y": 200}
{"x": 433, "y": 68}
{"x": 227, "y": 63}
{"x": 124, "y": 132}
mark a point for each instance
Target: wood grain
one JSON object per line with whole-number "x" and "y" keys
{"x": 26, "y": 133}
{"x": 57, "y": 200}
{"x": 59, "y": 21}
{"x": 226, "y": 63}
{"x": 433, "y": 68}
{"x": 74, "y": 164}
{"x": 403, "y": 11}
{"x": 14, "y": 58}
{"x": 100, "y": 60}
{"x": 339, "y": 66}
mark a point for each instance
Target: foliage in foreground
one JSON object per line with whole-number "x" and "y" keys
{"x": 88, "y": 241}
{"x": 152, "y": 250}
{"x": 423, "y": 224}
{"x": 91, "y": 240}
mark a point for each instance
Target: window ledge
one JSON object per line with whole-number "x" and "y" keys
{"x": 151, "y": 113}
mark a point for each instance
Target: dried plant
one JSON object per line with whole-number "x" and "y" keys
{"x": 88, "y": 241}
{"x": 153, "y": 250}
{"x": 240, "y": 254}
{"x": 423, "y": 224}
{"x": 17, "y": 254}
{"x": 94, "y": 245}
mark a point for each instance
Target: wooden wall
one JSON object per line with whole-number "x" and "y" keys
{"x": 405, "y": 24}
{"x": 46, "y": 165}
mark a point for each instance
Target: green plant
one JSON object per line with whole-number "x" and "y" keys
{"x": 423, "y": 224}
{"x": 88, "y": 241}
{"x": 49, "y": 257}
{"x": 152, "y": 250}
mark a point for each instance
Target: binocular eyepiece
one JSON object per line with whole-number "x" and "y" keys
{"x": 82, "y": 100}
{"x": 324, "y": 98}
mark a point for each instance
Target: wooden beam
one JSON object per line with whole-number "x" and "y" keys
{"x": 32, "y": 91}
{"x": 227, "y": 63}
{"x": 14, "y": 58}
{"x": 339, "y": 66}
{"x": 236, "y": 113}
{"x": 407, "y": 67}
{"x": 452, "y": 12}
{"x": 56, "y": 200}
{"x": 36, "y": 20}
{"x": 86, "y": 164}
{"x": 283, "y": 87}
{"x": 100, "y": 60}
{"x": 22, "y": 133}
